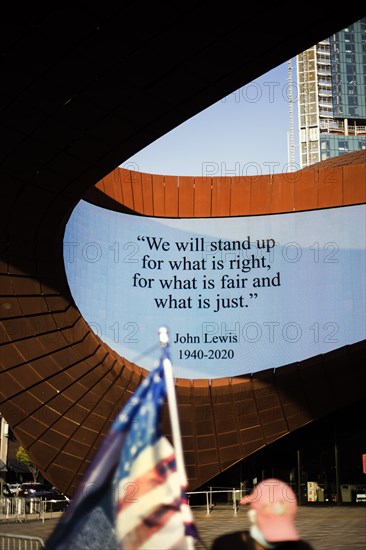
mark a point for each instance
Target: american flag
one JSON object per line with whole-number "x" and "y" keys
{"x": 132, "y": 496}
{"x": 152, "y": 509}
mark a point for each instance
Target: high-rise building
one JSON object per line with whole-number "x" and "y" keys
{"x": 331, "y": 78}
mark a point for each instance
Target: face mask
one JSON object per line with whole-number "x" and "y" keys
{"x": 252, "y": 514}
{"x": 256, "y": 534}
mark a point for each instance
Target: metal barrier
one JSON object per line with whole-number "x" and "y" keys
{"x": 20, "y": 542}
{"x": 18, "y": 508}
{"x": 232, "y": 499}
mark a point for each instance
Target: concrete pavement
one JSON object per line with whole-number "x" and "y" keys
{"x": 325, "y": 527}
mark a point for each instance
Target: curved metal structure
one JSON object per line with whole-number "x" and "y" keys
{"x": 85, "y": 90}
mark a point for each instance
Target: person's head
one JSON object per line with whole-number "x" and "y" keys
{"x": 275, "y": 506}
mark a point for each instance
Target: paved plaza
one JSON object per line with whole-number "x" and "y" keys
{"x": 325, "y": 527}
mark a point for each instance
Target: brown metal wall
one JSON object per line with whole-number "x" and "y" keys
{"x": 193, "y": 197}
{"x": 61, "y": 386}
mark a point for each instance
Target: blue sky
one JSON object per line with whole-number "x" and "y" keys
{"x": 246, "y": 133}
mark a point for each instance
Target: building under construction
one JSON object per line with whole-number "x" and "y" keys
{"x": 331, "y": 79}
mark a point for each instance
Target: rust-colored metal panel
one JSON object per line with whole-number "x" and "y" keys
{"x": 227, "y": 438}
{"x": 65, "y": 469}
{"x": 241, "y": 384}
{"x": 147, "y": 194}
{"x": 354, "y": 183}
{"x": 252, "y": 439}
{"x": 130, "y": 184}
{"x": 57, "y": 438}
{"x": 68, "y": 422}
{"x": 205, "y": 427}
{"x": 171, "y": 197}
{"x": 189, "y": 453}
{"x": 11, "y": 410}
{"x": 48, "y": 368}
{"x": 107, "y": 185}
{"x": 202, "y": 197}
{"x": 260, "y": 194}
{"x": 282, "y": 195}
{"x": 208, "y": 456}
{"x": 306, "y": 190}
{"x": 264, "y": 389}
{"x": 330, "y": 187}
{"x": 220, "y": 389}
{"x": 224, "y": 417}
{"x": 28, "y": 439}
{"x": 48, "y": 452}
{"x": 189, "y": 443}
{"x": 273, "y": 415}
{"x": 185, "y": 391}
{"x": 11, "y": 354}
{"x": 25, "y": 286}
{"x": 130, "y": 188}
{"x": 158, "y": 195}
{"x": 31, "y": 304}
{"x": 12, "y": 385}
{"x": 221, "y": 193}
{"x": 62, "y": 403}
{"x": 37, "y": 346}
{"x": 26, "y": 406}
{"x": 240, "y": 204}
{"x": 58, "y": 302}
{"x": 186, "y": 197}
{"x": 202, "y": 389}
{"x": 186, "y": 423}
{"x": 292, "y": 397}
{"x": 247, "y": 414}
{"x": 87, "y": 436}
{"x": 6, "y": 284}
{"x": 37, "y": 427}
{"x": 91, "y": 415}
{"x": 120, "y": 180}
{"x": 207, "y": 441}
{"x": 77, "y": 447}
{"x": 274, "y": 431}
{"x": 44, "y": 393}
{"x": 49, "y": 416}
{"x": 206, "y": 471}
{"x": 13, "y": 329}
{"x": 229, "y": 455}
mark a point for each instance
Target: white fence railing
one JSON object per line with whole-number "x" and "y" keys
{"x": 18, "y": 509}
{"x": 225, "y": 497}
{"x": 21, "y": 509}
{"x": 20, "y": 542}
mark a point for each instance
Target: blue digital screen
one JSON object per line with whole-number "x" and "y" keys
{"x": 237, "y": 294}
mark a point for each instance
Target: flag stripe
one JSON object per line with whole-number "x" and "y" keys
{"x": 150, "y": 495}
{"x": 134, "y": 513}
{"x": 146, "y": 480}
{"x": 162, "y": 514}
{"x": 158, "y": 525}
{"x": 164, "y": 539}
{"x": 158, "y": 456}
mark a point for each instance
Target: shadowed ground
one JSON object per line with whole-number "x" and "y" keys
{"x": 326, "y": 528}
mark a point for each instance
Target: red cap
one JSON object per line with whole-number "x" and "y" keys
{"x": 276, "y": 505}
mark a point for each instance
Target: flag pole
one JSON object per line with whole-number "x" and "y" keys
{"x": 173, "y": 408}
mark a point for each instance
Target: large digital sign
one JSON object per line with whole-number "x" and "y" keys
{"x": 238, "y": 295}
